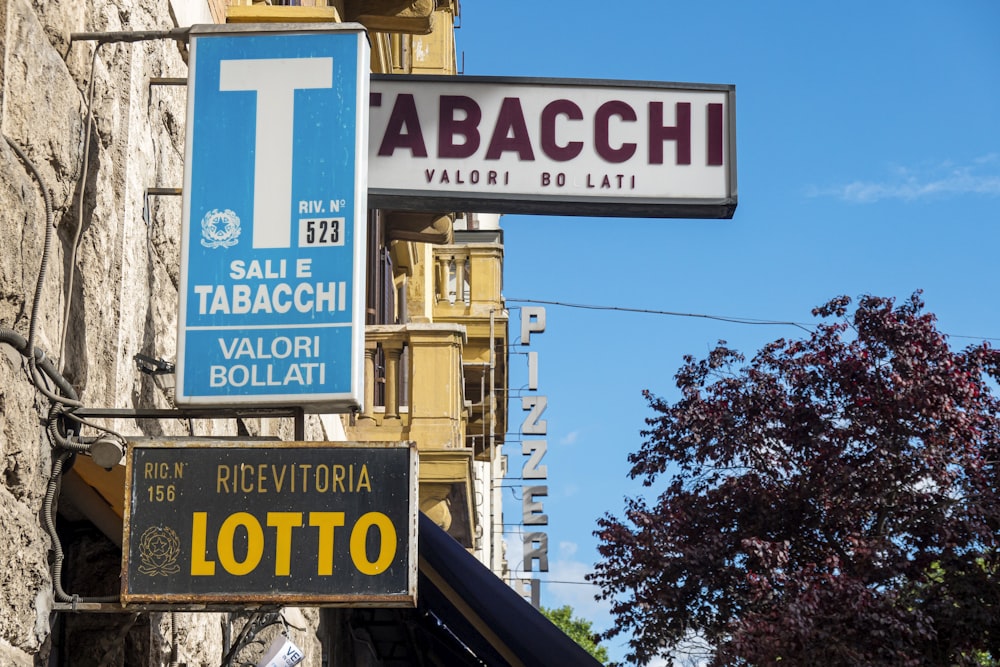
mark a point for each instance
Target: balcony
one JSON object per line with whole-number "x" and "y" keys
{"x": 415, "y": 390}
{"x": 457, "y": 295}
{"x": 284, "y": 11}
{"x": 406, "y": 16}
{"x": 467, "y": 291}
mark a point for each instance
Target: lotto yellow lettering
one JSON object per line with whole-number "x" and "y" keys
{"x": 279, "y": 536}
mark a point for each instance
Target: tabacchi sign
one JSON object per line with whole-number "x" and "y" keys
{"x": 553, "y": 146}
{"x": 275, "y": 203}
{"x": 228, "y": 523}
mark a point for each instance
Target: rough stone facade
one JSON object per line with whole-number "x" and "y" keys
{"x": 107, "y": 292}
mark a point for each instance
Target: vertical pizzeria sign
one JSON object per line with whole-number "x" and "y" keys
{"x": 275, "y": 199}
{"x": 535, "y": 542}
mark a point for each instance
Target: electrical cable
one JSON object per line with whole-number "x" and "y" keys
{"x": 173, "y": 641}
{"x": 67, "y": 447}
{"x": 48, "y": 505}
{"x": 46, "y": 248}
{"x": 37, "y": 361}
{"x": 80, "y": 444}
{"x": 19, "y": 343}
{"x": 38, "y": 364}
{"x": 84, "y": 422}
{"x": 79, "y": 206}
{"x": 28, "y": 348}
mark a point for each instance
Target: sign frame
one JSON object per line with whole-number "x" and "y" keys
{"x": 271, "y": 311}
{"x": 385, "y": 192}
{"x": 162, "y": 464}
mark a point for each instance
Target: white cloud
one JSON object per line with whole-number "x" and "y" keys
{"x": 570, "y": 438}
{"x": 568, "y": 549}
{"x": 910, "y": 184}
{"x": 568, "y": 586}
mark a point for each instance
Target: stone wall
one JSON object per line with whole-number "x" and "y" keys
{"x": 108, "y": 291}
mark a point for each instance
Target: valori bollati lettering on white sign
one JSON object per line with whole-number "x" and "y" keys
{"x": 553, "y": 146}
{"x": 275, "y": 199}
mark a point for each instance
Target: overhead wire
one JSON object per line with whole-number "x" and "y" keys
{"x": 524, "y": 574}
{"x": 651, "y": 311}
{"x": 805, "y": 326}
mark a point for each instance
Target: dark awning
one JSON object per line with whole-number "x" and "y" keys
{"x": 494, "y": 622}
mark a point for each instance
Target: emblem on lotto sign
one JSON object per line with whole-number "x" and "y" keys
{"x": 220, "y": 229}
{"x": 159, "y": 548}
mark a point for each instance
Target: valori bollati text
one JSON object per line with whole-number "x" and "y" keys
{"x": 255, "y": 375}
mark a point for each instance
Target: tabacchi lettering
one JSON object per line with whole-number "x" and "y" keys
{"x": 281, "y": 298}
{"x": 564, "y": 130}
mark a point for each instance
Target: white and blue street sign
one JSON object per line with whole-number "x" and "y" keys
{"x": 275, "y": 204}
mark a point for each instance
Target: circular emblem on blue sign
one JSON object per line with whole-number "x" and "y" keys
{"x": 220, "y": 229}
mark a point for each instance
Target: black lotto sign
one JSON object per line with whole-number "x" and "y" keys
{"x": 226, "y": 523}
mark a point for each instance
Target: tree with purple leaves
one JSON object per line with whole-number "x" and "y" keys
{"x": 835, "y": 501}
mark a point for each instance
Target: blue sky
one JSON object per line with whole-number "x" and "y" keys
{"x": 868, "y": 159}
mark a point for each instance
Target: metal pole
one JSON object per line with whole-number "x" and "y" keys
{"x": 300, "y": 424}
{"x": 492, "y": 441}
{"x": 180, "y": 34}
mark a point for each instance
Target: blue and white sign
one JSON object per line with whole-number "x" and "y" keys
{"x": 275, "y": 204}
